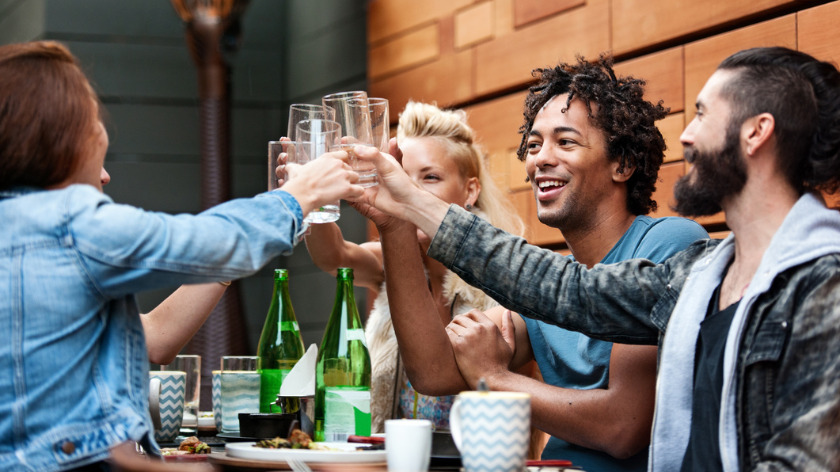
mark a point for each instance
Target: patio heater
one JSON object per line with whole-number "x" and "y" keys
{"x": 212, "y": 34}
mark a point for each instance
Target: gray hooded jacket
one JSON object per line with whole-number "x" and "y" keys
{"x": 781, "y": 392}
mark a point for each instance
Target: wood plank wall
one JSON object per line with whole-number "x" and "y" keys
{"x": 478, "y": 55}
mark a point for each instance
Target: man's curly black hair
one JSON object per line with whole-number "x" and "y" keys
{"x": 626, "y": 118}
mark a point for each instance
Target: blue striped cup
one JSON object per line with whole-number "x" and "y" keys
{"x": 239, "y": 393}
{"x": 166, "y": 403}
{"x": 217, "y": 399}
{"x": 492, "y": 430}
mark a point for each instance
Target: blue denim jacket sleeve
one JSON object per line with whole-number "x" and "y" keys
{"x": 629, "y": 302}
{"x": 120, "y": 245}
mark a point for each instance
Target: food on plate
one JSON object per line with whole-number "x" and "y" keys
{"x": 191, "y": 445}
{"x": 297, "y": 440}
{"x": 300, "y": 440}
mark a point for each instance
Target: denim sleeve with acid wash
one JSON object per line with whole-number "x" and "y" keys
{"x": 124, "y": 249}
{"x": 629, "y": 302}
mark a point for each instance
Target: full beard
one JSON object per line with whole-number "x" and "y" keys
{"x": 716, "y": 176}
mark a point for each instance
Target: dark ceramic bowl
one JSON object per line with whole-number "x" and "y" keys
{"x": 267, "y": 425}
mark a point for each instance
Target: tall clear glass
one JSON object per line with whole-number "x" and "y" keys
{"x": 274, "y": 150}
{"x": 239, "y": 390}
{"x": 380, "y": 122}
{"x": 304, "y": 111}
{"x": 352, "y": 113}
{"x": 315, "y": 138}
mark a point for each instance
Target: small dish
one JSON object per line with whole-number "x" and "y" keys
{"x": 267, "y": 425}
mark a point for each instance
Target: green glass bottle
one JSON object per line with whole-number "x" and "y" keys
{"x": 342, "y": 374}
{"x": 280, "y": 344}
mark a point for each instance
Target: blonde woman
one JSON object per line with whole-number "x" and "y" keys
{"x": 439, "y": 152}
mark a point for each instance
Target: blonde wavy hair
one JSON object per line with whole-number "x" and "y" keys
{"x": 449, "y": 127}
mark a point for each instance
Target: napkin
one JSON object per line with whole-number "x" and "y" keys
{"x": 301, "y": 379}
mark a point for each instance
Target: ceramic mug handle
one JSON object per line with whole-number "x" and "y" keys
{"x": 154, "y": 401}
{"x": 455, "y": 422}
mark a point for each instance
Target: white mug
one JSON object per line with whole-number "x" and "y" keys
{"x": 408, "y": 445}
{"x": 491, "y": 430}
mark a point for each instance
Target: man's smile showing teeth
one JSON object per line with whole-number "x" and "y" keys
{"x": 550, "y": 183}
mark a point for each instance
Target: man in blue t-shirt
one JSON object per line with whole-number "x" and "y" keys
{"x": 592, "y": 153}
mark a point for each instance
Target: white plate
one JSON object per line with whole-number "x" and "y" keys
{"x": 342, "y": 453}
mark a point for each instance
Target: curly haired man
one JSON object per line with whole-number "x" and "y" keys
{"x": 592, "y": 153}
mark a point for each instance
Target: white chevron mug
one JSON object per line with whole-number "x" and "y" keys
{"x": 217, "y": 399}
{"x": 491, "y": 430}
{"x": 166, "y": 403}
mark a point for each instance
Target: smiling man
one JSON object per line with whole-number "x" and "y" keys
{"x": 749, "y": 326}
{"x": 592, "y": 153}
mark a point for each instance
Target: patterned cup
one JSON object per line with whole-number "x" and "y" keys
{"x": 166, "y": 403}
{"x": 239, "y": 393}
{"x": 492, "y": 430}
{"x": 217, "y": 399}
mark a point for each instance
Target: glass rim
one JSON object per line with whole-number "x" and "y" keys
{"x": 329, "y": 126}
{"x": 344, "y": 95}
{"x": 308, "y": 106}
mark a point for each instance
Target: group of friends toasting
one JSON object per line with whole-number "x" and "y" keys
{"x": 651, "y": 346}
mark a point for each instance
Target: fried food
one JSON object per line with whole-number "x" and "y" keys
{"x": 193, "y": 445}
{"x": 297, "y": 440}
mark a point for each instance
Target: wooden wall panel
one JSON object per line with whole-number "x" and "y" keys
{"x": 447, "y": 81}
{"x": 516, "y": 174}
{"x": 504, "y": 17}
{"x": 497, "y": 164}
{"x": 522, "y": 202}
{"x": 412, "y": 49}
{"x": 496, "y": 122}
{"x": 488, "y": 48}
{"x": 663, "y": 73}
{"x": 702, "y": 57}
{"x": 526, "y": 11}
{"x": 833, "y": 201}
{"x": 389, "y": 17}
{"x": 507, "y": 62}
{"x": 664, "y": 194}
{"x": 671, "y": 128}
{"x": 817, "y": 32}
{"x": 640, "y": 23}
{"x": 475, "y": 24}
{"x": 718, "y": 234}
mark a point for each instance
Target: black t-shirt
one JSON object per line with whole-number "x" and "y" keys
{"x": 703, "y": 452}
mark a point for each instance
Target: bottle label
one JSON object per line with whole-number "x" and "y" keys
{"x": 356, "y": 335}
{"x": 346, "y": 412}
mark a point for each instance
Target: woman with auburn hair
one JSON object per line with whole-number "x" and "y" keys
{"x": 75, "y": 387}
{"x": 440, "y": 154}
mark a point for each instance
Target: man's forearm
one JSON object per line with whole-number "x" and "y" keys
{"x": 427, "y": 213}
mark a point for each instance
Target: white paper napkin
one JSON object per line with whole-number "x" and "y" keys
{"x": 301, "y": 379}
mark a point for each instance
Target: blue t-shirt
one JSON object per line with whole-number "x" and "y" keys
{"x": 572, "y": 360}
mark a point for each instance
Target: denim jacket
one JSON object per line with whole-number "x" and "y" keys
{"x": 781, "y": 408}
{"x": 74, "y": 366}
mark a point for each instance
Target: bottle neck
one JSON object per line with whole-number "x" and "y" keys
{"x": 282, "y": 297}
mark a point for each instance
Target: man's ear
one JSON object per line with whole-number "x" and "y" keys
{"x": 757, "y": 131}
{"x": 624, "y": 175}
